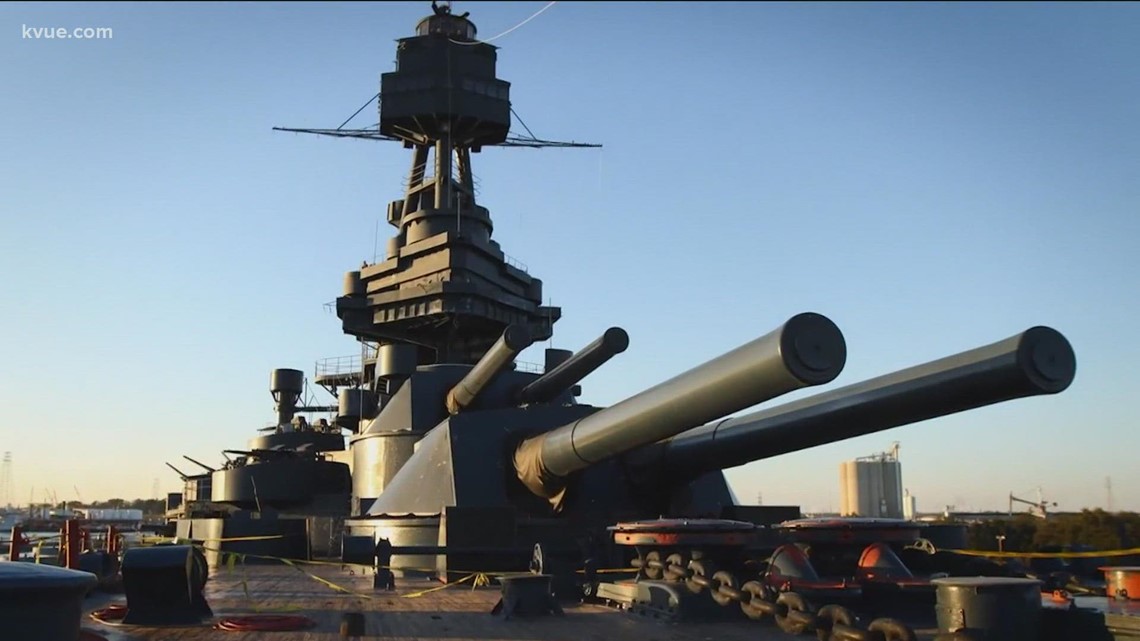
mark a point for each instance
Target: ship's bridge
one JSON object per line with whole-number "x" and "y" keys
{"x": 443, "y": 23}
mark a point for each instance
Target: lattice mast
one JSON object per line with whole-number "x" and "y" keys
{"x": 444, "y": 292}
{"x": 6, "y": 480}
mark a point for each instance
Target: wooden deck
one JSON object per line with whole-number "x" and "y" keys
{"x": 453, "y": 613}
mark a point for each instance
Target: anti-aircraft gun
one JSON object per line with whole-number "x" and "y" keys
{"x": 286, "y": 468}
{"x": 287, "y": 478}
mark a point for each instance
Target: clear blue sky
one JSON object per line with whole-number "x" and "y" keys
{"x": 931, "y": 176}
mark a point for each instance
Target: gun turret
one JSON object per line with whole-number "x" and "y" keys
{"x": 807, "y": 350}
{"x": 575, "y": 368}
{"x": 515, "y": 339}
{"x": 1035, "y": 362}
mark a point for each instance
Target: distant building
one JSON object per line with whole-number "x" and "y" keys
{"x": 910, "y": 506}
{"x": 872, "y": 486}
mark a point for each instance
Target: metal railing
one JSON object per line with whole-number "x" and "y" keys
{"x": 516, "y": 263}
{"x": 344, "y": 365}
{"x": 338, "y": 365}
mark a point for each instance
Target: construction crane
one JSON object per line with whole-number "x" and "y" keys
{"x": 1038, "y": 508}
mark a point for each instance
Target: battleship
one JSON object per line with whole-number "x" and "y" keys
{"x": 452, "y": 492}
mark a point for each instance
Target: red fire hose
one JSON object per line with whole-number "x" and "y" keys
{"x": 265, "y": 623}
{"x": 248, "y": 623}
{"x": 110, "y": 614}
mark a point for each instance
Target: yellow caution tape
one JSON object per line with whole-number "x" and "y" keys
{"x": 243, "y": 555}
{"x": 1047, "y": 555}
{"x": 342, "y": 563}
{"x": 323, "y": 580}
{"x": 161, "y": 539}
{"x": 229, "y": 559}
{"x": 414, "y": 595}
{"x": 246, "y": 538}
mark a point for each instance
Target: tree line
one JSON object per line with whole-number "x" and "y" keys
{"x": 148, "y": 506}
{"x": 1094, "y": 529}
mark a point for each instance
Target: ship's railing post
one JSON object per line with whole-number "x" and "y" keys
{"x": 16, "y": 543}
{"x": 71, "y": 542}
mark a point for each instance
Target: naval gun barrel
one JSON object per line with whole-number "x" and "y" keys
{"x": 806, "y": 350}
{"x": 515, "y": 339}
{"x": 559, "y": 379}
{"x": 177, "y": 471}
{"x": 200, "y": 464}
{"x": 1035, "y": 362}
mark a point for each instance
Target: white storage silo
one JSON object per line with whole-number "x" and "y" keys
{"x": 872, "y": 486}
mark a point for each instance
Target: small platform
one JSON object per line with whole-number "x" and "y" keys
{"x": 452, "y": 613}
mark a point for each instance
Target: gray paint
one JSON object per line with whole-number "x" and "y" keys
{"x": 376, "y": 458}
{"x": 553, "y": 357}
{"x": 291, "y": 537}
{"x": 281, "y": 483}
{"x": 446, "y": 284}
{"x": 305, "y": 440}
{"x": 990, "y": 608}
{"x": 395, "y": 359}
{"x": 286, "y": 381}
{"x": 354, "y": 404}
{"x": 163, "y": 586}
{"x": 286, "y": 386}
{"x": 418, "y": 405}
{"x": 807, "y": 350}
{"x": 462, "y": 461}
{"x": 515, "y": 339}
{"x": 568, "y": 371}
{"x": 42, "y": 603}
{"x": 402, "y": 531}
{"x": 445, "y": 294}
{"x": 353, "y": 285}
{"x": 1037, "y": 361}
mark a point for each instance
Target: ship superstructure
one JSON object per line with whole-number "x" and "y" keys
{"x": 459, "y": 458}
